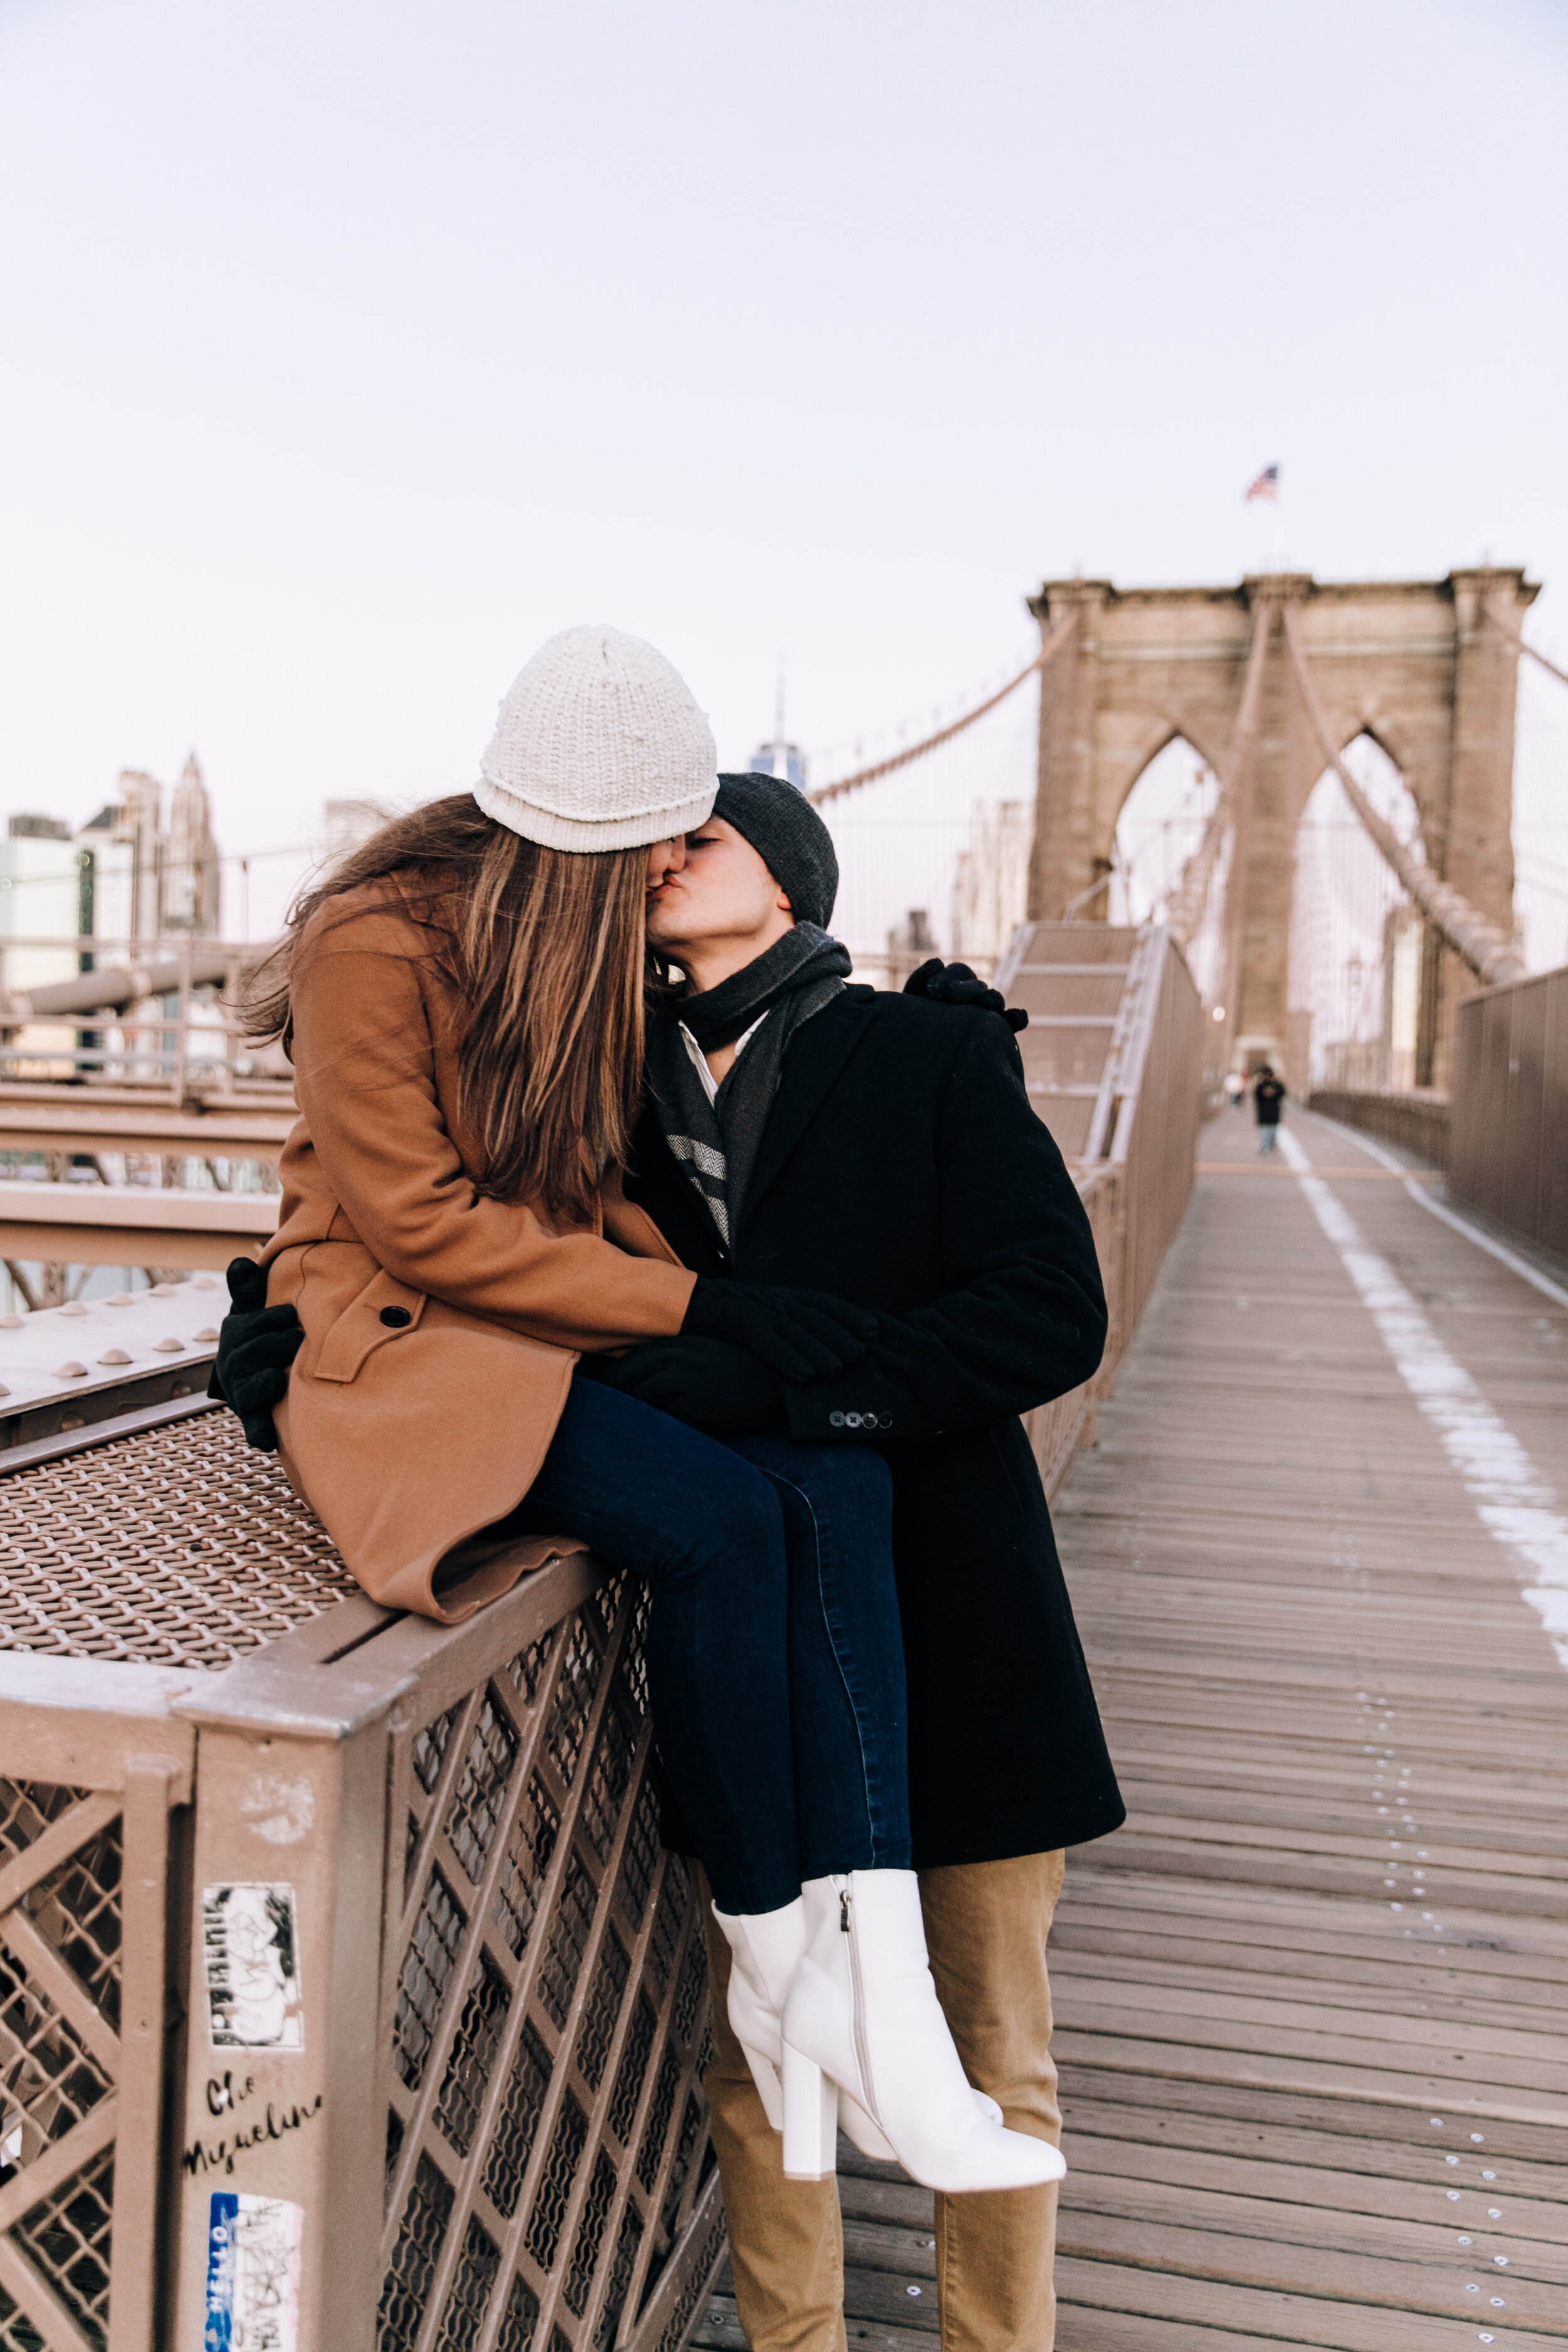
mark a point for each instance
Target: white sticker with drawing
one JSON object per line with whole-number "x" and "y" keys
{"x": 251, "y": 1942}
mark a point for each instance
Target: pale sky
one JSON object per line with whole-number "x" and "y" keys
{"x": 353, "y": 350}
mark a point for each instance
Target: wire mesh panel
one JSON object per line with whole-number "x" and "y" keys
{"x": 179, "y": 1545}
{"x": 60, "y": 2002}
{"x": 544, "y": 2010}
{"x": 82, "y": 1968}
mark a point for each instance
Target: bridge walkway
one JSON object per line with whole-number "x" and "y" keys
{"x": 1310, "y": 2000}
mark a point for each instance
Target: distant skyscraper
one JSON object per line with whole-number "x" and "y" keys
{"x": 41, "y": 900}
{"x": 191, "y": 872}
{"x": 141, "y": 882}
{"x": 780, "y": 758}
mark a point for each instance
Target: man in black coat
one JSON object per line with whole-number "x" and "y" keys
{"x": 809, "y": 1134}
{"x": 894, "y": 1160}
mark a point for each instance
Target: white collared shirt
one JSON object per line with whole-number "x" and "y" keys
{"x": 700, "y": 1059}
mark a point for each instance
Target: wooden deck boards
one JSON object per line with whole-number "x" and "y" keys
{"x": 1311, "y": 2002}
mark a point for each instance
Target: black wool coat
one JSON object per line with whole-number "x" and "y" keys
{"x": 902, "y": 1167}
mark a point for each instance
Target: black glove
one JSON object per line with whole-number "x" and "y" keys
{"x": 800, "y": 1335}
{"x": 256, "y": 1346}
{"x": 954, "y": 983}
{"x": 707, "y": 1383}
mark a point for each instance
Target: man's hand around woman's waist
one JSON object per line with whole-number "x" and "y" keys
{"x": 740, "y": 1342}
{"x": 708, "y": 1384}
{"x": 800, "y": 1335}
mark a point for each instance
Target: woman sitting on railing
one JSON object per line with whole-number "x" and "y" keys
{"x": 463, "y": 1001}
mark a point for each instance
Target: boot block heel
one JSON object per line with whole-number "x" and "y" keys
{"x": 810, "y": 2119}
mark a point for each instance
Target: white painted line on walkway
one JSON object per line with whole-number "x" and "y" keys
{"x": 1511, "y": 1500}
{"x": 1418, "y": 1192}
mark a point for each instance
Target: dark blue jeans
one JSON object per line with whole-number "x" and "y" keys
{"x": 774, "y": 1655}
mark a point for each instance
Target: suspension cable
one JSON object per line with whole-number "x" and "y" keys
{"x": 1490, "y": 953}
{"x": 1047, "y": 652}
{"x": 1511, "y": 630}
{"x": 1186, "y": 903}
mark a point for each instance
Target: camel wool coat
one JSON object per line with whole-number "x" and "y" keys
{"x": 441, "y": 1327}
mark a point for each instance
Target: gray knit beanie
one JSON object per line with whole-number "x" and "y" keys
{"x": 599, "y": 745}
{"x": 789, "y": 838}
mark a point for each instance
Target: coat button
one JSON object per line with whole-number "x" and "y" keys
{"x": 851, "y": 1420}
{"x": 836, "y": 1420}
{"x": 394, "y": 1318}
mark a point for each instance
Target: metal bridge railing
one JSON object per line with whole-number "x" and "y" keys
{"x": 375, "y": 1907}
{"x": 1507, "y": 1108}
{"x": 1114, "y": 1059}
{"x": 147, "y": 1017}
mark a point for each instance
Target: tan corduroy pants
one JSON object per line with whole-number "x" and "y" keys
{"x": 986, "y": 1925}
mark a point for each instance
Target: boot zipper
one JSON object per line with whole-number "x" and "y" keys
{"x": 858, "y": 1994}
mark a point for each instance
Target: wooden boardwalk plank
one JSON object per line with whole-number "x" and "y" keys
{"x": 1311, "y": 2002}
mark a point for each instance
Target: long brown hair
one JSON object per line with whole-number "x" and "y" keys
{"x": 547, "y": 949}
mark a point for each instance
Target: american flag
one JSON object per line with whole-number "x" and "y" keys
{"x": 1266, "y": 486}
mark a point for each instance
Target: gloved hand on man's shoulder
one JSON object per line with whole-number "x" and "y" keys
{"x": 954, "y": 983}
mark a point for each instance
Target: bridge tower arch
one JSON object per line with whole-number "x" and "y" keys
{"x": 1414, "y": 663}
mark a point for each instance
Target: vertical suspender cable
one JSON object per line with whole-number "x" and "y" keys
{"x": 1242, "y": 747}
{"x": 1184, "y": 907}
{"x": 1490, "y": 953}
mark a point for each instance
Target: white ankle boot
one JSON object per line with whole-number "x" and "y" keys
{"x": 768, "y": 1948}
{"x": 862, "y": 2016}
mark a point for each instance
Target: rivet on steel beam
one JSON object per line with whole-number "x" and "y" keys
{"x": 73, "y": 1306}
{"x": 114, "y": 1356}
{"x": 169, "y": 1347}
{"x": 120, "y": 1299}
{"x": 12, "y": 1322}
{"x": 71, "y": 1372}
{"x": 208, "y": 1334}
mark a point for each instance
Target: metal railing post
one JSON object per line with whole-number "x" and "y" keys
{"x": 281, "y": 2145}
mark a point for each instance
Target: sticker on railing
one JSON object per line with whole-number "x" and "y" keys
{"x": 253, "y": 2274}
{"x": 251, "y": 1945}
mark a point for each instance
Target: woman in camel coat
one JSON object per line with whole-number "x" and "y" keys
{"x": 463, "y": 1004}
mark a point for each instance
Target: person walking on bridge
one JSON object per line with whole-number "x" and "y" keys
{"x": 1268, "y": 1102}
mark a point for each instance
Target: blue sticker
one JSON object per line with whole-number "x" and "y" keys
{"x": 253, "y": 2273}
{"x": 222, "y": 2216}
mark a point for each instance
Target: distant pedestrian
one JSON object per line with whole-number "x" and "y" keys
{"x": 1268, "y": 1097}
{"x": 1236, "y": 1087}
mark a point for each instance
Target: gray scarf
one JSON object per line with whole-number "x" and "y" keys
{"x": 717, "y": 1142}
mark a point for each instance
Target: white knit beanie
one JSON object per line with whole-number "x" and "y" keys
{"x": 599, "y": 745}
